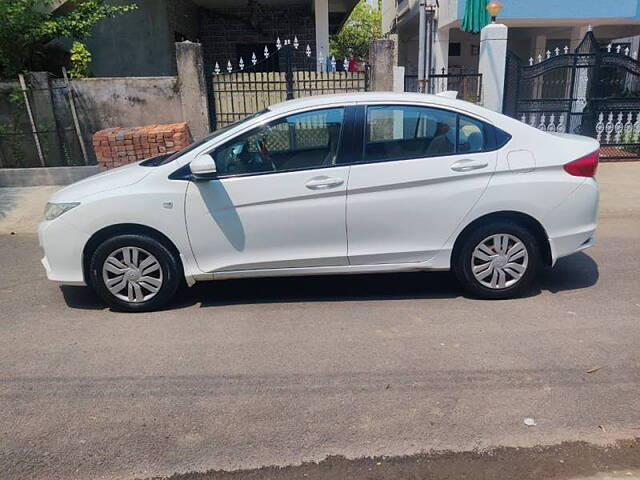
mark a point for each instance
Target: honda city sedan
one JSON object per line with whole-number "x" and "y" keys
{"x": 325, "y": 185}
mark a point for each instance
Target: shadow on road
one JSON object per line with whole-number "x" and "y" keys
{"x": 571, "y": 273}
{"x": 568, "y": 460}
{"x": 7, "y": 201}
{"x": 574, "y": 272}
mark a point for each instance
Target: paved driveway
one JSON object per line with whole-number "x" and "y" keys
{"x": 279, "y": 371}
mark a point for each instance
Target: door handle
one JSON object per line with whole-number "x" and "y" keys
{"x": 321, "y": 183}
{"x": 468, "y": 165}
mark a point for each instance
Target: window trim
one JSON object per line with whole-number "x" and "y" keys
{"x": 354, "y": 125}
{"x": 340, "y": 147}
{"x": 488, "y": 129}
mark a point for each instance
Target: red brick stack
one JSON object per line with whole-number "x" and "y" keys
{"x": 118, "y": 146}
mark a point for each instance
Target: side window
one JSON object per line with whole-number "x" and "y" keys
{"x": 471, "y": 135}
{"x": 396, "y": 132}
{"x": 299, "y": 141}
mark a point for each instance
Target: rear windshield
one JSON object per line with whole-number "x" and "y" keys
{"x": 163, "y": 160}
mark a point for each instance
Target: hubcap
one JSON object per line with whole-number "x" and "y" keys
{"x": 499, "y": 261}
{"x": 132, "y": 274}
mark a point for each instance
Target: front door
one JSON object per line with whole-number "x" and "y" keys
{"x": 423, "y": 169}
{"x": 278, "y": 201}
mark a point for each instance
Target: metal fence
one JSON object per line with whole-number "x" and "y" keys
{"x": 39, "y": 125}
{"x": 467, "y": 84}
{"x": 591, "y": 91}
{"x": 245, "y": 86}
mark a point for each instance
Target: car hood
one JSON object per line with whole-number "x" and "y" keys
{"x": 109, "y": 180}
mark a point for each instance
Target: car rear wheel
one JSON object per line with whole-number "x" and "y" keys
{"x": 497, "y": 260}
{"x": 134, "y": 273}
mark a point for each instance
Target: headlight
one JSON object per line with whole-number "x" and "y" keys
{"x": 54, "y": 210}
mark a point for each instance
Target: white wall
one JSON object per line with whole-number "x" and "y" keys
{"x": 388, "y": 15}
{"x": 321, "y": 11}
{"x": 466, "y": 58}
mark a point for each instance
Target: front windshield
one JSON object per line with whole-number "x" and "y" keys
{"x": 211, "y": 136}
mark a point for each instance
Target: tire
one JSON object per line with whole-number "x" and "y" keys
{"x": 142, "y": 272}
{"x": 497, "y": 275}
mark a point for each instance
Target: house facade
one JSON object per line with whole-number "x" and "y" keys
{"x": 142, "y": 42}
{"x": 535, "y": 27}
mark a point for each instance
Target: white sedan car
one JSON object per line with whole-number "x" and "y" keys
{"x": 373, "y": 182}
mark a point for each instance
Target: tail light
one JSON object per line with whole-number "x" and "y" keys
{"x": 585, "y": 166}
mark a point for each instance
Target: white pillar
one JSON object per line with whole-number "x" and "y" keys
{"x": 539, "y": 51}
{"x": 193, "y": 88}
{"x": 441, "y": 57}
{"x": 492, "y": 64}
{"x": 422, "y": 47}
{"x": 321, "y": 8}
{"x": 398, "y": 79}
{"x": 441, "y": 49}
{"x": 540, "y": 46}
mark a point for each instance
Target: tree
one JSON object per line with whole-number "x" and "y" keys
{"x": 27, "y": 26}
{"x": 363, "y": 25}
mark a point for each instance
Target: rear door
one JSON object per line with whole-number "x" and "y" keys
{"x": 421, "y": 170}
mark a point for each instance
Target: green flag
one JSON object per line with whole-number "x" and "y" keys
{"x": 476, "y": 16}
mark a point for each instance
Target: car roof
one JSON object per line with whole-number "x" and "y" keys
{"x": 366, "y": 97}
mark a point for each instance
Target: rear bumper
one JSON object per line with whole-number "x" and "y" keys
{"x": 572, "y": 225}
{"x": 569, "y": 244}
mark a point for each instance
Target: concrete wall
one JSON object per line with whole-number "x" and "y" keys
{"x": 467, "y": 41}
{"x": 139, "y": 43}
{"x": 100, "y": 103}
{"x": 192, "y": 88}
{"x": 120, "y": 102}
{"x": 381, "y": 63}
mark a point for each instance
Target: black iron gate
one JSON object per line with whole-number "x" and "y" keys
{"x": 468, "y": 84}
{"x": 593, "y": 91}
{"x": 285, "y": 71}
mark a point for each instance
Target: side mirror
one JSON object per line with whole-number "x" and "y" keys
{"x": 203, "y": 167}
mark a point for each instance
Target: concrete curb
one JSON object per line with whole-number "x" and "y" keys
{"x": 33, "y": 177}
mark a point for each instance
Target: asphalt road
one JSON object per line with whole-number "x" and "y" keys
{"x": 241, "y": 374}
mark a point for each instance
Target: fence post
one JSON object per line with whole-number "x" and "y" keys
{"x": 492, "y": 64}
{"x": 289, "y": 72}
{"x": 34, "y": 130}
{"x": 74, "y": 114}
{"x": 193, "y": 88}
{"x": 381, "y": 61}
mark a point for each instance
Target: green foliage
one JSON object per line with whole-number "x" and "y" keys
{"x": 363, "y": 25}
{"x": 26, "y": 27}
{"x": 80, "y": 60}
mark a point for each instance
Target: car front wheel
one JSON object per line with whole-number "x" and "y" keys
{"x": 134, "y": 273}
{"x": 497, "y": 260}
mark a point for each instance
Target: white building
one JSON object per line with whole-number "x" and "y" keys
{"x": 535, "y": 27}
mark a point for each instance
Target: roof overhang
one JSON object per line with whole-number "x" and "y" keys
{"x": 339, "y": 10}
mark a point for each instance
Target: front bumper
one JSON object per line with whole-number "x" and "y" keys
{"x": 63, "y": 246}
